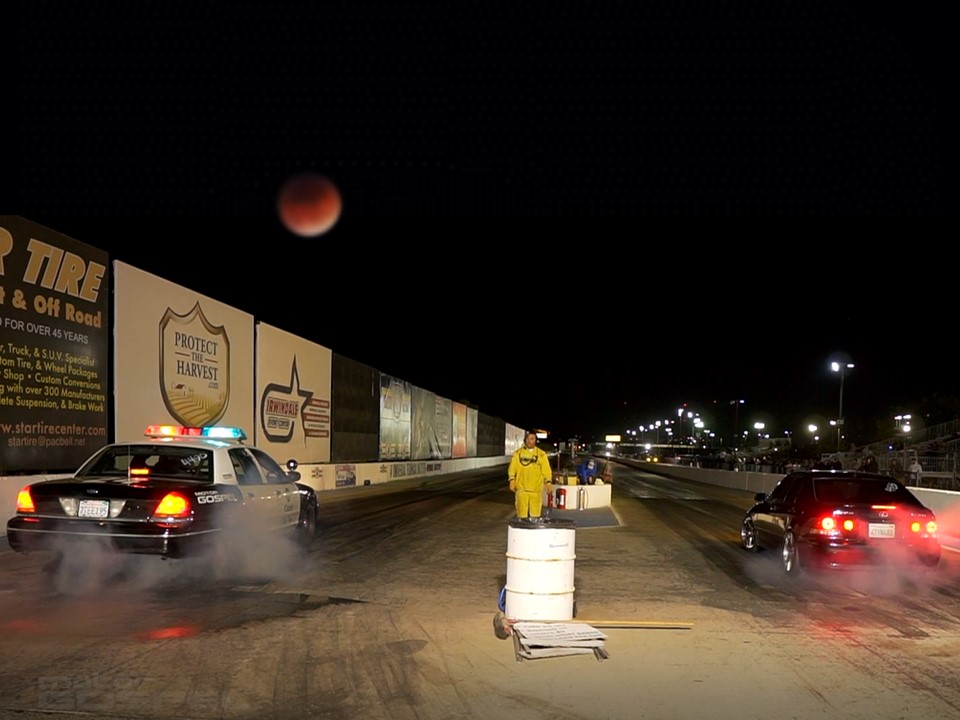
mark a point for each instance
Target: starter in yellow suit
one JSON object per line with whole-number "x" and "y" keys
{"x": 529, "y": 473}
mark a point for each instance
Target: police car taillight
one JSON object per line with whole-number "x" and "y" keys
{"x": 172, "y": 510}
{"x": 25, "y": 502}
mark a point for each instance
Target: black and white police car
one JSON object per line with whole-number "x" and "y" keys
{"x": 174, "y": 494}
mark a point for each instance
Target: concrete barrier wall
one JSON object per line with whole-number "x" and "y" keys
{"x": 334, "y": 476}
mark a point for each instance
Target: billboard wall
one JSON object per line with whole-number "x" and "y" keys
{"x": 458, "y": 439}
{"x": 54, "y": 348}
{"x": 431, "y": 426}
{"x": 356, "y": 418}
{"x": 179, "y": 357}
{"x": 512, "y": 438}
{"x": 293, "y": 396}
{"x": 395, "y": 411}
{"x": 490, "y": 436}
{"x": 472, "y": 430}
{"x": 184, "y": 358}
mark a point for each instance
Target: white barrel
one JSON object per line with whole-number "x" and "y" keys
{"x": 540, "y": 560}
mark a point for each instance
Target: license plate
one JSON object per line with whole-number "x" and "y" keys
{"x": 882, "y": 530}
{"x": 93, "y": 508}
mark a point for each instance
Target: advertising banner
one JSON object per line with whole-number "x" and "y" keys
{"x": 395, "y": 411}
{"x": 293, "y": 391}
{"x": 54, "y": 331}
{"x": 179, "y": 357}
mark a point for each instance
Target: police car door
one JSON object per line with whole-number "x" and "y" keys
{"x": 262, "y": 504}
{"x": 284, "y": 490}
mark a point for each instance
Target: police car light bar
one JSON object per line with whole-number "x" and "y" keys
{"x": 212, "y": 431}
{"x": 218, "y": 431}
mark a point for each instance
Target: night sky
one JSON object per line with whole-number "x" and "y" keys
{"x": 526, "y": 191}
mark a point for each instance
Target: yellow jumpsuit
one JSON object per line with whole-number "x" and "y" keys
{"x": 529, "y": 472}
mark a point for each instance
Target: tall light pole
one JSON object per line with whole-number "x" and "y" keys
{"x": 736, "y": 411}
{"x": 841, "y": 368}
{"x": 812, "y": 429}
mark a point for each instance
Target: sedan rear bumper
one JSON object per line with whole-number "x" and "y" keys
{"x": 25, "y": 535}
{"x": 839, "y": 556}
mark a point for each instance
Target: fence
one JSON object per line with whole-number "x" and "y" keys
{"x": 939, "y": 471}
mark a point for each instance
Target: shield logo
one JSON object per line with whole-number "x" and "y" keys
{"x": 194, "y": 367}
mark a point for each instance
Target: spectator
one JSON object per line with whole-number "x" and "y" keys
{"x": 915, "y": 470}
{"x": 587, "y": 471}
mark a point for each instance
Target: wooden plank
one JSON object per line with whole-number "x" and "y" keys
{"x": 648, "y": 624}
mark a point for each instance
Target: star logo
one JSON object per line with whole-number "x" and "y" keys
{"x": 282, "y": 405}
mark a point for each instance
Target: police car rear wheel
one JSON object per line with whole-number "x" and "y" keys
{"x": 307, "y": 525}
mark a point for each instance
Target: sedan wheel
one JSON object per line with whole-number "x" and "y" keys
{"x": 748, "y": 535}
{"x": 789, "y": 554}
{"x": 307, "y": 526}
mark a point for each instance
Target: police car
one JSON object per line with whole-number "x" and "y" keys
{"x": 174, "y": 494}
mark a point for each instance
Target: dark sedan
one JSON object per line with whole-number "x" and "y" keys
{"x": 836, "y": 519}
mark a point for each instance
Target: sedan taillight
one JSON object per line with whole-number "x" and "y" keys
{"x": 25, "y": 502}
{"x": 173, "y": 510}
{"x": 834, "y": 526}
{"x": 926, "y": 527}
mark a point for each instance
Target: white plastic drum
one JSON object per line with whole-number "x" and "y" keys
{"x": 540, "y": 560}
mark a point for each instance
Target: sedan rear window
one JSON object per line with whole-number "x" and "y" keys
{"x": 166, "y": 461}
{"x": 840, "y": 491}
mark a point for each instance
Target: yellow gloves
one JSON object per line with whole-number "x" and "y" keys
{"x": 513, "y": 486}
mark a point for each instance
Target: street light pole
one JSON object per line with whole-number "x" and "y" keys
{"x": 736, "y": 411}
{"x": 841, "y": 368}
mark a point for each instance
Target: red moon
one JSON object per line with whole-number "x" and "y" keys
{"x": 309, "y": 204}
